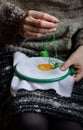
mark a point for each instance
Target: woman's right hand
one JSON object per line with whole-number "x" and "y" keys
{"x": 36, "y": 24}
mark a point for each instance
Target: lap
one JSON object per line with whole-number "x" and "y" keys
{"x": 36, "y": 121}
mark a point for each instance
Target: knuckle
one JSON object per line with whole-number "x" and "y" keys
{"x": 30, "y": 12}
{"x": 43, "y": 15}
{"x": 25, "y": 20}
{"x": 38, "y": 35}
{"x": 40, "y": 23}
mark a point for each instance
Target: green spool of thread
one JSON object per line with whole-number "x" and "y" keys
{"x": 44, "y": 53}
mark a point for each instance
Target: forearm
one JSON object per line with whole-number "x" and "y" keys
{"x": 77, "y": 39}
{"x": 10, "y": 17}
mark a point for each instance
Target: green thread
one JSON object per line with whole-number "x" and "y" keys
{"x": 55, "y": 63}
{"x": 45, "y": 53}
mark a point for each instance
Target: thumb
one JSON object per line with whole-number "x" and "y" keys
{"x": 78, "y": 77}
{"x": 66, "y": 64}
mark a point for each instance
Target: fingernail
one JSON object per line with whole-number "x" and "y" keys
{"x": 62, "y": 68}
{"x": 56, "y": 20}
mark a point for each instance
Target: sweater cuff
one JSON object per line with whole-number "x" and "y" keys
{"x": 77, "y": 39}
{"x": 10, "y": 16}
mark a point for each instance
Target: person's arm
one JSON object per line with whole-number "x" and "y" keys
{"x": 77, "y": 39}
{"x": 76, "y": 58}
{"x": 10, "y": 16}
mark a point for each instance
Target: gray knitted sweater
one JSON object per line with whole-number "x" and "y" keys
{"x": 69, "y": 36}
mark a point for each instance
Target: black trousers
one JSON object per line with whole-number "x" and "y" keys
{"x": 35, "y": 121}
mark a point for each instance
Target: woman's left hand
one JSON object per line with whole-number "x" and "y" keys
{"x": 75, "y": 60}
{"x": 36, "y": 24}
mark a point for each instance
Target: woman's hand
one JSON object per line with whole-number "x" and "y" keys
{"x": 75, "y": 60}
{"x": 36, "y": 24}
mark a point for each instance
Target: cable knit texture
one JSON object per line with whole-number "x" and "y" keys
{"x": 69, "y": 35}
{"x": 9, "y": 21}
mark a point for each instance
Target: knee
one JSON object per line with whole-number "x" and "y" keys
{"x": 30, "y": 121}
{"x": 34, "y": 121}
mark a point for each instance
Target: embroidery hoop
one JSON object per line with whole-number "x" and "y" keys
{"x": 70, "y": 71}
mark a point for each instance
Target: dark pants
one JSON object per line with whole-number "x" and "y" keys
{"x": 35, "y": 121}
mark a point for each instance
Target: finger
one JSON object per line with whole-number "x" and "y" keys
{"x": 43, "y": 16}
{"x": 78, "y": 77}
{"x": 39, "y": 23}
{"x": 66, "y": 64}
{"x": 32, "y": 35}
{"x": 38, "y": 30}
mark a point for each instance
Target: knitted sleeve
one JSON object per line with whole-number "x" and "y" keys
{"x": 77, "y": 39}
{"x": 10, "y": 16}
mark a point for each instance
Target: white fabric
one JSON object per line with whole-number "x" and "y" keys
{"x": 28, "y": 66}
